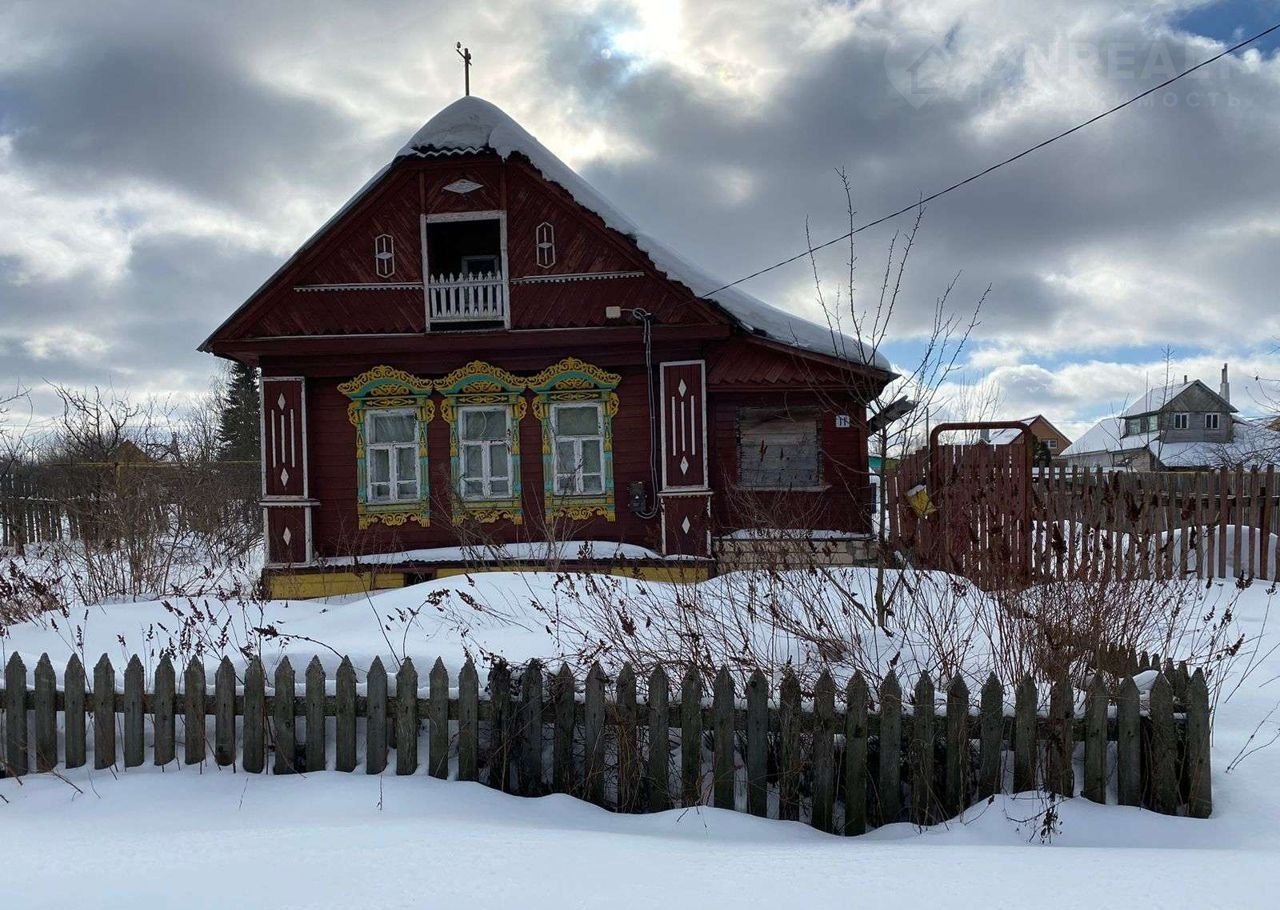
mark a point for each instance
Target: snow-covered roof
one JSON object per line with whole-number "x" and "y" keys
{"x": 1106, "y": 436}
{"x": 471, "y": 125}
{"x": 1252, "y": 443}
{"x": 1156, "y": 399}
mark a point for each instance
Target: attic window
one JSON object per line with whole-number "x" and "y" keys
{"x": 384, "y": 255}
{"x": 545, "y": 243}
{"x": 777, "y": 450}
{"x": 1133, "y": 426}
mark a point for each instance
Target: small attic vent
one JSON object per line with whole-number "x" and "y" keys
{"x": 463, "y": 186}
{"x": 545, "y": 243}
{"x": 384, "y": 255}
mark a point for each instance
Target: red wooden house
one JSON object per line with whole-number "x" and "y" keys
{"x": 479, "y": 350}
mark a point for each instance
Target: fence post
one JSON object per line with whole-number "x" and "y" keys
{"x": 438, "y": 716}
{"x": 46, "y": 716}
{"x": 254, "y": 759}
{"x": 344, "y": 727}
{"x": 15, "y": 709}
{"x": 73, "y": 712}
{"x": 163, "y": 711}
{"x": 562, "y": 742}
{"x": 133, "y": 721}
{"x": 1059, "y": 774}
{"x": 375, "y": 721}
{"x": 1024, "y": 737}
{"x": 593, "y": 736}
{"x": 855, "y": 756}
{"x": 1095, "y": 742}
{"x": 224, "y": 713}
{"x": 316, "y": 758}
{"x": 406, "y": 718}
{"x": 789, "y": 715}
{"x": 991, "y": 738}
{"x": 889, "y": 794}
{"x": 194, "y": 683}
{"x": 628, "y": 742}
{"x": 502, "y": 728}
{"x": 922, "y": 795}
{"x": 824, "y": 760}
{"x": 659, "y": 741}
{"x": 1164, "y": 749}
{"x": 530, "y": 770}
{"x": 957, "y": 771}
{"x": 691, "y": 738}
{"x": 1199, "y": 782}
{"x": 104, "y": 714}
{"x": 468, "y": 722}
{"x": 758, "y": 745}
{"x": 722, "y": 768}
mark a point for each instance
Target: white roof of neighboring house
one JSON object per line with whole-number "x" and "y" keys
{"x": 1156, "y": 399}
{"x": 1253, "y": 443}
{"x": 472, "y": 124}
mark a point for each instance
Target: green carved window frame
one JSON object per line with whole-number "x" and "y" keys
{"x": 386, "y": 388}
{"x": 573, "y": 381}
{"x": 480, "y": 384}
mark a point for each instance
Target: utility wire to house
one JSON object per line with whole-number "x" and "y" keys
{"x": 995, "y": 167}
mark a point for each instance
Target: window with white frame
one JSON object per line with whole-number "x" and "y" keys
{"x": 1181, "y": 421}
{"x": 1051, "y": 445}
{"x": 484, "y": 450}
{"x": 577, "y": 435}
{"x": 777, "y": 450}
{"x": 1211, "y": 421}
{"x": 391, "y": 453}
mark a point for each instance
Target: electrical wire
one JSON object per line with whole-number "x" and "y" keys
{"x": 995, "y": 167}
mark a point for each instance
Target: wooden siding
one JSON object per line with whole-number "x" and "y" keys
{"x": 843, "y": 502}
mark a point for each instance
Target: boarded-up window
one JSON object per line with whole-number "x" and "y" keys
{"x": 777, "y": 449}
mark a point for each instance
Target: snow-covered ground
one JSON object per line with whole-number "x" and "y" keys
{"x": 213, "y": 837}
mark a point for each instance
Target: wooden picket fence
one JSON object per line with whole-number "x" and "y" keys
{"x": 993, "y": 518}
{"x": 791, "y": 758}
{"x": 28, "y": 513}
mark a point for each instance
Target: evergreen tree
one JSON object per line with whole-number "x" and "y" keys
{"x": 240, "y": 421}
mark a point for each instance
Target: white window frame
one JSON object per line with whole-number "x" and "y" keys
{"x": 1212, "y": 421}
{"x": 1051, "y": 445}
{"x": 1182, "y": 421}
{"x": 486, "y": 462}
{"x": 578, "y": 441}
{"x": 498, "y": 215}
{"x": 393, "y": 462}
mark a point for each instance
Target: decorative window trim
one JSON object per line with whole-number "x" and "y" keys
{"x": 481, "y": 383}
{"x": 567, "y": 382}
{"x": 384, "y": 255}
{"x": 385, "y": 387}
{"x": 544, "y": 245}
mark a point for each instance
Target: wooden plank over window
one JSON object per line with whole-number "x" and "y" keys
{"x": 684, "y": 425}
{"x": 778, "y": 449}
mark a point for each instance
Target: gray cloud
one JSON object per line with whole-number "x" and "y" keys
{"x": 160, "y": 164}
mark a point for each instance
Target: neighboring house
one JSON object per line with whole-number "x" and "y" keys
{"x": 1047, "y": 436}
{"x": 1186, "y": 426}
{"x": 478, "y": 348}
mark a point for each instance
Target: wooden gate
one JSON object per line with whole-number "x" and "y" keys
{"x": 966, "y": 509}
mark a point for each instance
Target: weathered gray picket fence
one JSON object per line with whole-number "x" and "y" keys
{"x": 875, "y": 759}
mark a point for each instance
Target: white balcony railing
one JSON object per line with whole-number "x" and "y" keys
{"x": 468, "y": 298}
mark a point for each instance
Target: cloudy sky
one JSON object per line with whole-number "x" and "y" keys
{"x": 158, "y": 161}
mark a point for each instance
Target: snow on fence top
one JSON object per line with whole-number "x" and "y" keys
{"x": 472, "y": 124}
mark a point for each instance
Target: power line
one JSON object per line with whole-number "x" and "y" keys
{"x": 996, "y": 167}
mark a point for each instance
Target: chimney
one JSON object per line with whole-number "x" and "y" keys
{"x": 1225, "y": 390}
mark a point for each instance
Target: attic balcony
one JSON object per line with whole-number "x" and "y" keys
{"x": 466, "y": 286}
